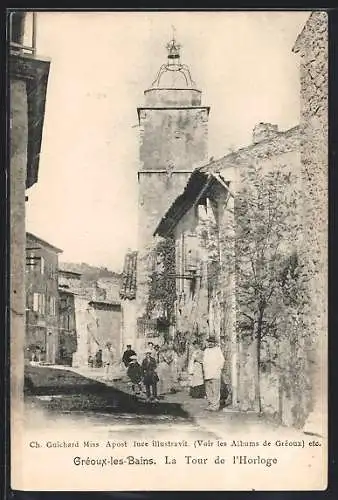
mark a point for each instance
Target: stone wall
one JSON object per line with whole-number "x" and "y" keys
{"x": 278, "y": 151}
{"x": 104, "y": 326}
{"x": 312, "y": 49}
{"x": 18, "y": 165}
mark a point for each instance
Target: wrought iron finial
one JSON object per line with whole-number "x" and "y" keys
{"x": 173, "y": 49}
{"x": 174, "y": 64}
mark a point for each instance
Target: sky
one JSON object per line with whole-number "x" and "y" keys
{"x": 85, "y": 201}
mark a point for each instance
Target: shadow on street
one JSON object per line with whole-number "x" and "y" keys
{"x": 66, "y": 391}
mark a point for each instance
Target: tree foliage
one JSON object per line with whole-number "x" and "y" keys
{"x": 270, "y": 280}
{"x": 162, "y": 289}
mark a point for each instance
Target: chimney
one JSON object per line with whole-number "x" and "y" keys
{"x": 263, "y": 131}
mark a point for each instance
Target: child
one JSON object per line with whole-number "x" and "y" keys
{"x": 135, "y": 373}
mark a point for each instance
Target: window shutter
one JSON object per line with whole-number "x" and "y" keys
{"x": 43, "y": 304}
{"x": 35, "y": 302}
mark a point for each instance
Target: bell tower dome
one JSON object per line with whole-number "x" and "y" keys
{"x": 173, "y": 84}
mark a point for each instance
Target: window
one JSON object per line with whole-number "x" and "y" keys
{"x": 17, "y": 20}
{"x": 42, "y": 265}
{"x": 52, "y": 306}
{"x": 31, "y": 262}
{"x": 39, "y": 303}
{"x": 22, "y": 32}
{"x": 36, "y": 302}
{"x": 53, "y": 273}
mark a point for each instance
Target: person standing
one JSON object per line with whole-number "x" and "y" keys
{"x": 195, "y": 370}
{"x": 134, "y": 373}
{"x": 108, "y": 358}
{"x": 165, "y": 365}
{"x": 98, "y": 358}
{"x": 150, "y": 377}
{"x": 213, "y": 362}
{"x": 152, "y": 350}
{"x": 156, "y": 355}
{"x": 128, "y": 353}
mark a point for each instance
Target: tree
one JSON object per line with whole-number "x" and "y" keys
{"x": 269, "y": 281}
{"x": 162, "y": 289}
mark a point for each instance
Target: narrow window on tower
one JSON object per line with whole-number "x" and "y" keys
{"x": 42, "y": 265}
{"x": 35, "y": 302}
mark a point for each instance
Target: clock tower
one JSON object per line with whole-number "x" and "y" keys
{"x": 173, "y": 127}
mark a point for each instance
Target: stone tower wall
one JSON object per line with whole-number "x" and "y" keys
{"x": 173, "y": 140}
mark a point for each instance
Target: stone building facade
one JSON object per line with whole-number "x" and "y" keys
{"x": 173, "y": 138}
{"x": 312, "y": 49}
{"x": 42, "y": 315}
{"x": 27, "y": 85}
{"x": 90, "y": 316}
{"x": 96, "y": 322}
{"x": 201, "y": 222}
{"x": 67, "y": 327}
{"x": 69, "y": 285}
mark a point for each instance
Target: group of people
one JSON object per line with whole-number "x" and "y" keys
{"x": 205, "y": 370}
{"x": 157, "y": 371}
{"x": 159, "y": 375}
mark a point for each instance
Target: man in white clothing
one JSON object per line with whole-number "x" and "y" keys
{"x": 108, "y": 358}
{"x": 213, "y": 362}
